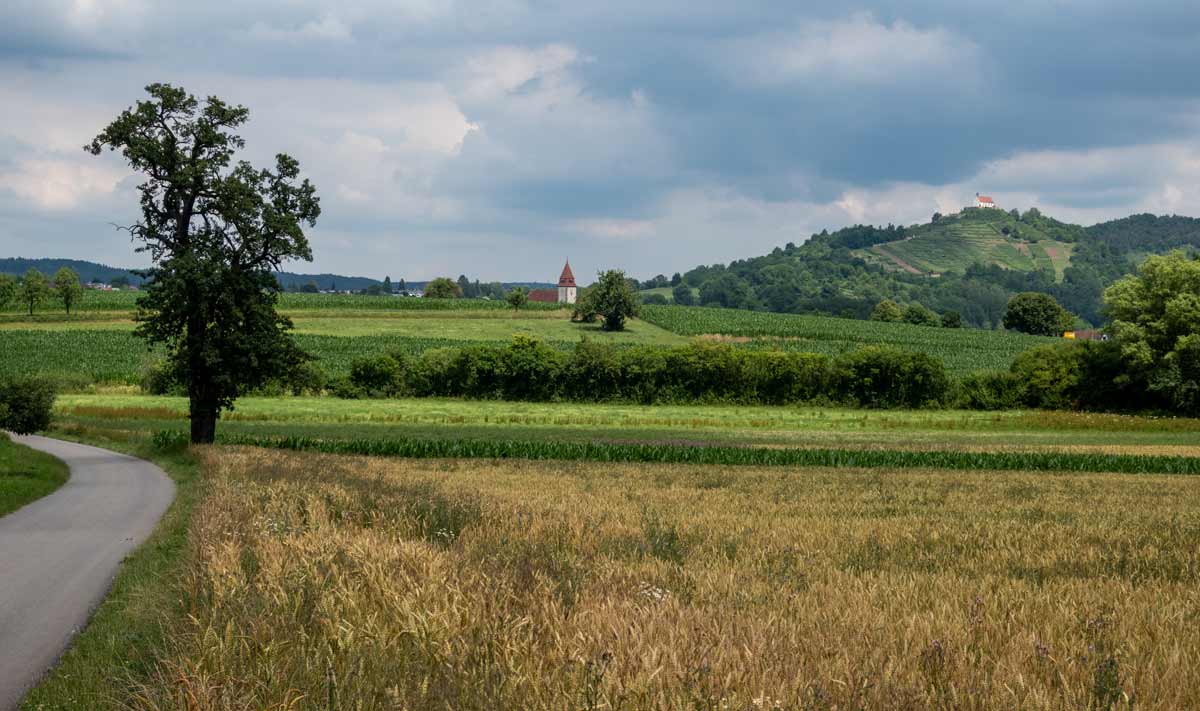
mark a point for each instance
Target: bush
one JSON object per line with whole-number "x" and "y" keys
{"x": 379, "y": 376}
{"x": 159, "y": 379}
{"x": 882, "y": 377}
{"x": 26, "y": 406}
{"x": 1050, "y": 374}
{"x": 433, "y": 373}
{"x": 990, "y": 391}
{"x": 887, "y": 311}
{"x": 784, "y": 377}
{"x": 306, "y": 379}
{"x": 699, "y": 372}
{"x": 529, "y": 370}
{"x": 655, "y": 300}
{"x": 918, "y": 315}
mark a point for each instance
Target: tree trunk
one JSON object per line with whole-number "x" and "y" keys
{"x": 204, "y": 421}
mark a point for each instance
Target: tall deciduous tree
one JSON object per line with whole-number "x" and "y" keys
{"x": 1156, "y": 322}
{"x": 613, "y": 300}
{"x": 67, "y": 287}
{"x": 1038, "y": 314}
{"x": 215, "y": 230}
{"x": 443, "y": 288}
{"x": 33, "y": 289}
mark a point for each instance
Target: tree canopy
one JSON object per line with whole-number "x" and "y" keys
{"x": 67, "y": 287}
{"x": 443, "y": 288}
{"x": 1156, "y": 322}
{"x": 887, "y": 311}
{"x": 612, "y": 298}
{"x": 516, "y": 298}
{"x": 33, "y": 289}
{"x": 215, "y": 229}
{"x": 1038, "y": 314}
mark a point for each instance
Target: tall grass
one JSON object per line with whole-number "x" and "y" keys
{"x": 319, "y": 582}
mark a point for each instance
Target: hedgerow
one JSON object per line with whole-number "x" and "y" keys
{"x": 526, "y": 369}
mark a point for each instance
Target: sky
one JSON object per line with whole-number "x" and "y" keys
{"x": 498, "y": 138}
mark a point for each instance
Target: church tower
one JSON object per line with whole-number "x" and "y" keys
{"x": 566, "y": 285}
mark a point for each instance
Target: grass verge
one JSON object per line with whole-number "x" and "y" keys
{"x": 26, "y": 475}
{"x": 120, "y": 644}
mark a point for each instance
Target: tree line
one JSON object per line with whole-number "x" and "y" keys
{"x": 34, "y": 288}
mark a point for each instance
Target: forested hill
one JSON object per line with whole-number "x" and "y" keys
{"x": 87, "y": 271}
{"x": 93, "y": 272}
{"x": 289, "y": 281}
{"x": 971, "y": 263}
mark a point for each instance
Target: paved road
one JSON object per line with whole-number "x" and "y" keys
{"x": 58, "y": 555}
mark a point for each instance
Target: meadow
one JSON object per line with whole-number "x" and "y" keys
{"x": 95, "y": 344}
{"x": 738, "y": 428}
{"x": 319, "y": 582}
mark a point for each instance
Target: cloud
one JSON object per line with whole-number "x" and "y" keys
{"x": 859, "y": 50}
{"x": 492, "y": 137}
{"x": 56, "y": 184}
{"x": 327, "y": 27}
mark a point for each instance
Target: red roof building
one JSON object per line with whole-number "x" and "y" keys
{"x": 567, "y": 278}
{"x": 545, "y": 296}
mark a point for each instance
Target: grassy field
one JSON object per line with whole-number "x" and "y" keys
{"x": 765, "y": 427}
{"x": 316, "y": 582}
{"x": 96, "y": 344}
{"x": 26, "y": 475}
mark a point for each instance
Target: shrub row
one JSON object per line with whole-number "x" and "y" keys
{"x": 1061, "y": 376}
{"x": 26, "y": 405}
{"x": 526, "y": 369}
{"x": 724, "y": 455}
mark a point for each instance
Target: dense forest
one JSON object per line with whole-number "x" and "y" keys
{"x": 828, "y": 274}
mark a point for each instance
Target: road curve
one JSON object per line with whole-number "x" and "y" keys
{"x": 59, "y": 554}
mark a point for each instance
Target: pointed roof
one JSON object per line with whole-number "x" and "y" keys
{"x": 567, "y": 278}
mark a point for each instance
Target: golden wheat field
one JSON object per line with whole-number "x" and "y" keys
{"x": 320, "y": 582}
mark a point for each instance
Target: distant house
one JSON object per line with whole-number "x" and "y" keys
{"x": 1088, "y": 335}
{"x": 984, "y": 201}
{"x": 564, "y": 294}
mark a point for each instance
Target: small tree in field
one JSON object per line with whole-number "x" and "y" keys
{"x": 516, "y": 298}
{"x": 66, "y": 285}
{"x": 443, "y": 288}
{"x": 1038, "y": 314}
{"x": 613, "y": 300}
{"x": 215, "y": 231}
{"x": 33, "y": 289}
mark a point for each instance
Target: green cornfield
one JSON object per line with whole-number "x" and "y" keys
{"x": 80, "y": 357}
{"x": 115, "y": 301}
{"x": 962, "y": 350}
{"x": 719, "y": 455}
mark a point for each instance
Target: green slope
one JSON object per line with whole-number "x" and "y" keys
{"x": 979, "y": 236}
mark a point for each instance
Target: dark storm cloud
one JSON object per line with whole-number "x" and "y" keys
{"x": 645, "y": 135}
